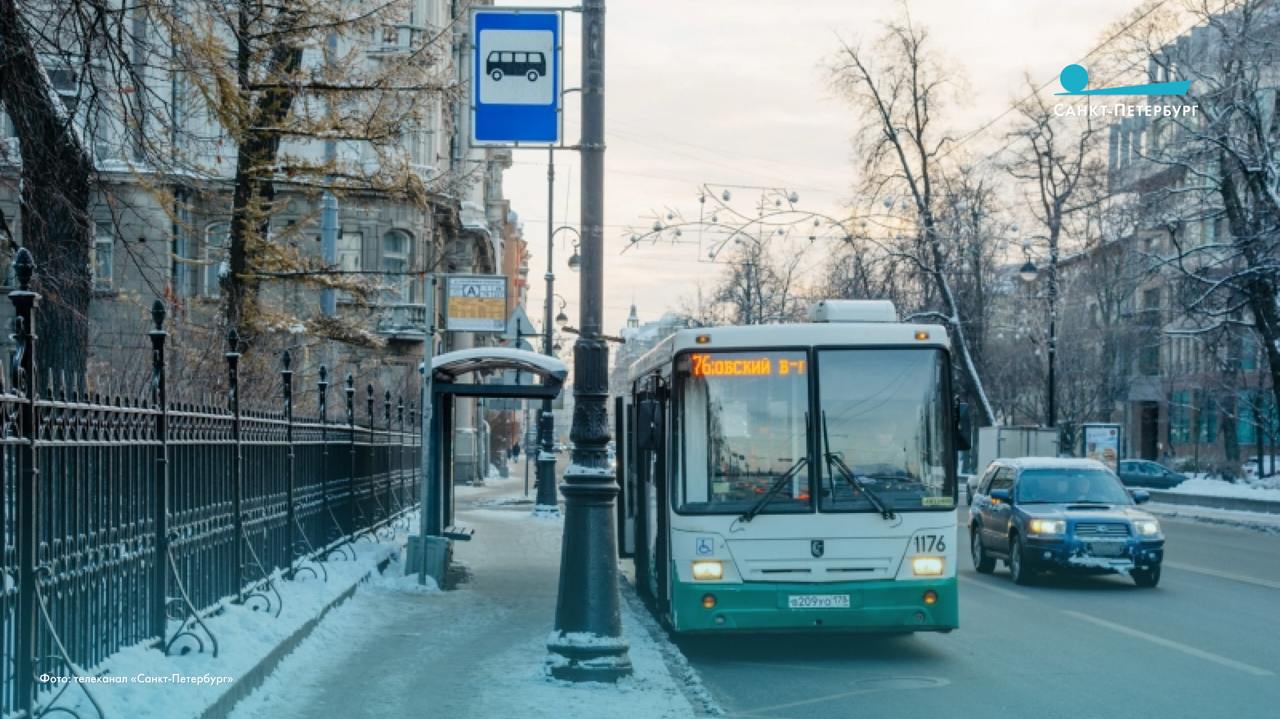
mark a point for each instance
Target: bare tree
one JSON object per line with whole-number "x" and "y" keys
{"x": 898, "y": 88}
{"x": 1220, "y": 209}
{"x": 1060, "y": 175}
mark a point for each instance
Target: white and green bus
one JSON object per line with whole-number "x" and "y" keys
{"x": 794, "y": 477}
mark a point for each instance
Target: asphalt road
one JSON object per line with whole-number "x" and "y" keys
{"x": 1205, "y": 643}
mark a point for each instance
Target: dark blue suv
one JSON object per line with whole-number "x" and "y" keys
{"x": 1042, "y": 513}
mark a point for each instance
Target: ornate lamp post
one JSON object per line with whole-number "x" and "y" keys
{"x": 587, "y": 643}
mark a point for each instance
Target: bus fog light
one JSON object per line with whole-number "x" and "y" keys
{"x": 708, "y": 601}
{"x": 708, "y": 570}
{"x": 926, "y": 566}
{"x": 930, "y": 597}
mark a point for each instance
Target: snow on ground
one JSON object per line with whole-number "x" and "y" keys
{"x": 1260, "y": 521}
{"x": 168, "y": 687}
{"x": 476, "y": 652}
{"x": 1261, "y": 489}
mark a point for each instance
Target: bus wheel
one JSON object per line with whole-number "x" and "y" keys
{"x": 496, "y": 74}
{"x": 532, "y": 75}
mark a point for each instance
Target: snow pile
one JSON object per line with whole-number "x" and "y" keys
{"x": 152, "y": 684}
{"x": 1259, "y": 521}
{"x": 1123, "y": 566}
{"x": 1255, "y": 489}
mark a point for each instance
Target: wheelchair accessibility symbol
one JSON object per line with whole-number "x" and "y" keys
{"x": 706, "y": 546}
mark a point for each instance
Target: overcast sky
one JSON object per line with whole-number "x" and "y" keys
{"x": 735, "y": 92}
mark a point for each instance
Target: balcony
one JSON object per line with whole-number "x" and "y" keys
{"x": 401, "y": 322}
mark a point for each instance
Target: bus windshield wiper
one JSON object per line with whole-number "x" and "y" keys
{"x": 834, "y": 460}
{"x": 778, "y": 484}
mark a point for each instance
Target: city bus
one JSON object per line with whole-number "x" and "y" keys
{"x": 794, "y": 477}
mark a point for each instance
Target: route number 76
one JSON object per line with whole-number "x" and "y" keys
{"x": 930, "y": 543}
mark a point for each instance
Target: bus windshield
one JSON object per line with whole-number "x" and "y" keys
{"x": 882, "y": 417}
{"x": 741, "y": 425}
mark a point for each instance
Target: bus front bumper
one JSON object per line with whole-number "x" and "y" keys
{"x": 876, "y": 606}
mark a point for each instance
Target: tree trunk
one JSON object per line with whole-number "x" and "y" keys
{"x": 56, "y": 173}
{"x": 254, "y": 192}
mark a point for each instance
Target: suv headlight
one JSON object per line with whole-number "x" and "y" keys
{"x": 1048, "y": 526}
{"x": 1146, "y": 527}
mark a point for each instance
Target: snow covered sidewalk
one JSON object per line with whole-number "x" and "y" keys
{"x": 395, "y": 650}
{"x": 141, "y": 682}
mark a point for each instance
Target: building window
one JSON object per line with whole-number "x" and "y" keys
{"x": 395, "y": 265}
{"x": 1248, "y": 353}
{"x": 1251, "y": 405}
{"x": 350, "y": 248}
{"x": 216, "y": 258}
{"x": 1179, "y": 417}
{"x": 103, "y": 257}
{"x": 1207, "y": 421}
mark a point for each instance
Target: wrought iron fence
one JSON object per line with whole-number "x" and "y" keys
{"x": 128, "y": 521}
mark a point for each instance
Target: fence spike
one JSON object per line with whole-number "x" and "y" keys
{"x": 24, "y": 266}
{"x": 157, "y": 314}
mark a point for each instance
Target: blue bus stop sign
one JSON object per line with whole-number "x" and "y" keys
{"x": 515, "y": 76}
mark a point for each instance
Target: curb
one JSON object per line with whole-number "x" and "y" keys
{"x": 678, "y": 666}
{"x": 1215, "y": 502}
{"x": 252, "y": 679}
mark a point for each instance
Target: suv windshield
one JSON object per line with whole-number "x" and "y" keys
{"x": 1070, "y": 486}
{"x": 742, "y": 425}
{"x": 883, "y": 417}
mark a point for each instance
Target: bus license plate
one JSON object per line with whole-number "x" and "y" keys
{"x": 818, "y": 601}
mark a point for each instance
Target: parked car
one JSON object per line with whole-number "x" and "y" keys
{"x": 1071, "y": 515}
{"x": 1144, "y": 473}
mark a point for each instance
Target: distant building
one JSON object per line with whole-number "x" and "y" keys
{"x": 639, "y": 339}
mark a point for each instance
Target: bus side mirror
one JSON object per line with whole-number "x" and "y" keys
{"x": 648, "y": 425}
{"x": 964, "y": 427}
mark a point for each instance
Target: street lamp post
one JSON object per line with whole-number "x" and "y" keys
{"x": 1028, "y": 273}
{"x": 546, "y": 503}
{"x": 587, "y": 643}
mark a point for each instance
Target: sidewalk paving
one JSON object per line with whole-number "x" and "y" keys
{"x": 397, "y": 650}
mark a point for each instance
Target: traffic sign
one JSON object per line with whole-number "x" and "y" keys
{"x": 518, "y": 325}
{"x": 475, "y": 303}
{"x": 515, "y": 76}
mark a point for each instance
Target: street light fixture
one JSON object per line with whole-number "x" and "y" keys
{"x": 562, "y": 319}
{"x": 1028, "y": 271}
{"x": 575, "y": 261}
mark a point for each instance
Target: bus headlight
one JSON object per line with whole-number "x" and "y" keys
{"x": 708, "y": 570}
{"x": 926, "y": 566}
{"x": 1048, "y": 526}
{"x": 1146, "y": 527}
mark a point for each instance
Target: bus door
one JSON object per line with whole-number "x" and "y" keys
{"x": 649, "y": 439}
{"x": 626, "y": 477}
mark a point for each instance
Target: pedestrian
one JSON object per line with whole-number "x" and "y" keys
{"x": 515, "y": 451}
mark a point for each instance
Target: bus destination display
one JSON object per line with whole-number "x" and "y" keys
{"x": 706, "y": 365}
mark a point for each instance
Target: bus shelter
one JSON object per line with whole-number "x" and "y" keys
{"x": 447, "y": 374}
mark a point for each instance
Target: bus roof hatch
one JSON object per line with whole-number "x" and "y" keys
{"x": 853, "y": 311}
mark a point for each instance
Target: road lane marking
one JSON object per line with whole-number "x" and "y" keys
{"x": 910, "y": 683}
{"x": 992, "y": 587}
{"x": 1170, "y": 644}
{"x": 1225, "y": 575}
